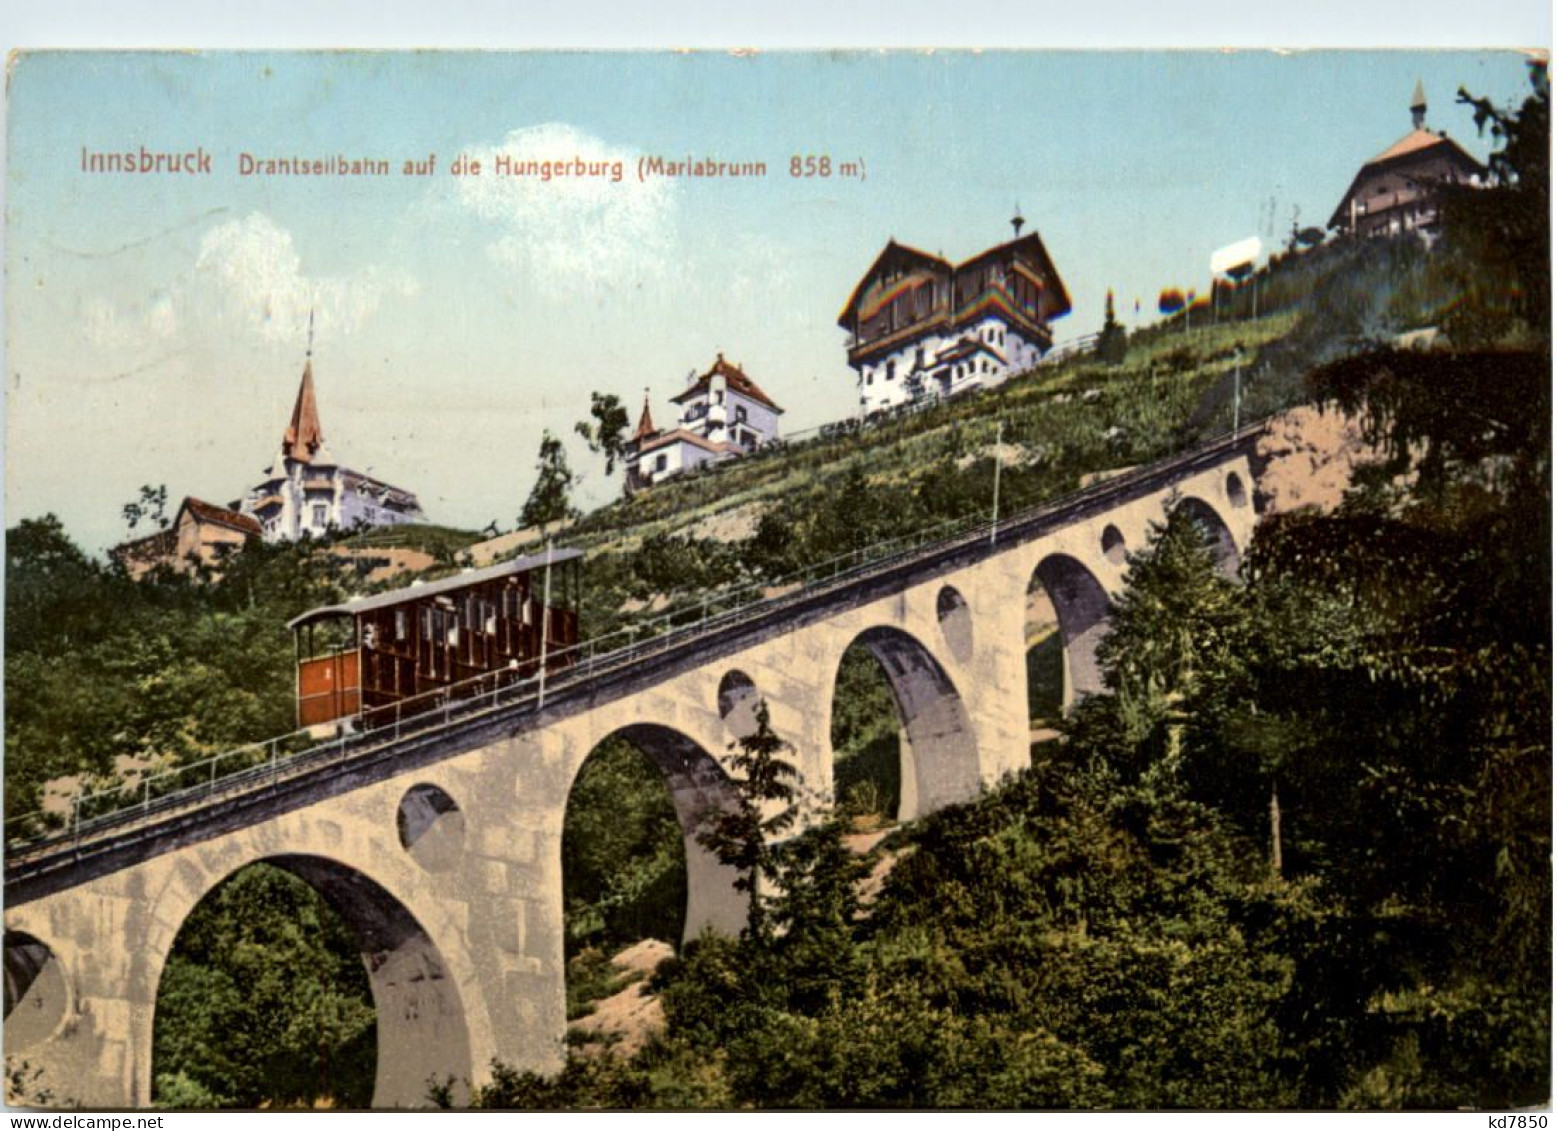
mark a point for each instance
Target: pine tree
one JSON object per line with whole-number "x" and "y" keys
{"x": 739, "y": 835}
{"x": 1112, "y": 341}
{"x": 1177, "y": 618}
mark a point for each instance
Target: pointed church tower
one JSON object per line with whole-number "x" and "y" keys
{"x": 303, "y": 436}
{"x": 645, "y": 422}
{"x": 1418, "y": 107}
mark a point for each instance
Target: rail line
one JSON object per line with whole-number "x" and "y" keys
{"x": 119, "y": 820}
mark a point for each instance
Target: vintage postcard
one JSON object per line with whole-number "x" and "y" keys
{"x": 824, "y": 580}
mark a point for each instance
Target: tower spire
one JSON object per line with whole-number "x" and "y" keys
{"x": 645, "y": 422}
{"x": 304, "y": 437}
{"x": 1418, "y": 107}
{"x": 1016, "y": 223}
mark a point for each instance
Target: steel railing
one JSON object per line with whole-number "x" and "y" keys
{"x": 416, "y": 718}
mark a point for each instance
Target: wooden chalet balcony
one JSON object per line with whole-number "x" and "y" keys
{"x": 862, "y": 348}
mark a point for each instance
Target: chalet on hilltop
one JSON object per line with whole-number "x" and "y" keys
{"x": 202, "y": 534}
{"x": 724, "y": 415}
{"x": 920, "y": 328}
{"x": 1395, "y": 192}
{"x": 305, "y": 491}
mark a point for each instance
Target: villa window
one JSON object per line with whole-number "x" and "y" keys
{"x": 659, "y": 462}
{"x": 321, "y": 514}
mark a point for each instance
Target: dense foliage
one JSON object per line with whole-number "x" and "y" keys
{"x": 623, "y": 855}
{"x": 264, "y": 1002}
{"x": 102, "y": 670}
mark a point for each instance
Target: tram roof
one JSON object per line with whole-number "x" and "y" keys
{"x": 421, "y": 590}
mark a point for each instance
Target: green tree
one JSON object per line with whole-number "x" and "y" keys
{"x": 152, "y": 504}
{"x": 548, "y": 501}
{"x": 741, "y": 834}
{"x": 1176, "y": 618}
{"x": 1113, "y": 341}
{"x": 1395, "y": 679}
{"x": 607, "y": 436}
{"x": 1499, "y": 237}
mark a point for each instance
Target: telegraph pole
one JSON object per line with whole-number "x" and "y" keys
{"x": 545, "y": 623}
{"x": 994, "y": 518}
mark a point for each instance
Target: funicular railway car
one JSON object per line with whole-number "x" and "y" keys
{"x": 392, "y": 655}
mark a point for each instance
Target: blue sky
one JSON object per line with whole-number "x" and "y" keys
{"x": 157, "y": 325}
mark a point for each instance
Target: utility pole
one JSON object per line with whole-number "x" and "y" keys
{"x": 545, "y": 623}
{"x": 994, "y": 519}
{"x": 1237, "y": 385}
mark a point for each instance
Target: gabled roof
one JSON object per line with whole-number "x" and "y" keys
{"x": 421, "y": 590}
{"x": 1030, "y": 244}
{"x": 1418, "y": 140}
{"x": 734, "y": 377}
{"x": 221, "y": 516}
{"x": 1415, "y": 146}
{"x": 966, "y": 348}
{"x": 682, "y": 436}
{"x": 303, "y": 436}
{"x": 893, "y": 250}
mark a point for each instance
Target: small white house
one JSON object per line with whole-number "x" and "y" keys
{"x": 724, "y": 415}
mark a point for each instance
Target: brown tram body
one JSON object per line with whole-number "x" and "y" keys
{"x": 399, "y": 653}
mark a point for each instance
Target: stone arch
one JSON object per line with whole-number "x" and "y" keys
{"x": 37, "y": 993}
{"x": 1081, "y": 605}
{"x": 939, "y": 754}
{"x": 431, "y": 827}
{"x": 423, "y": 1032}
{"x": 1112, "y": 543}
{"x": 1224, "y": 548}
{"x": 738, "y": 700}
{"x": 956, "y": 621}
{"x": 1237, "y": 493}
{"x": 697, "y": 785}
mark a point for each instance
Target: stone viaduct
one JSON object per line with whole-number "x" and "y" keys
{"x": 443, "y": 850}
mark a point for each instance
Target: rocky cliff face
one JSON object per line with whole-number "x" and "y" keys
{"x": 1305, "y": 459}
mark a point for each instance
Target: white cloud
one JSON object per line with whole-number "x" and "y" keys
{"x": 252, "y": 269}
{"x": 114, "y": 327}
{"x": 578, "y": 230}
